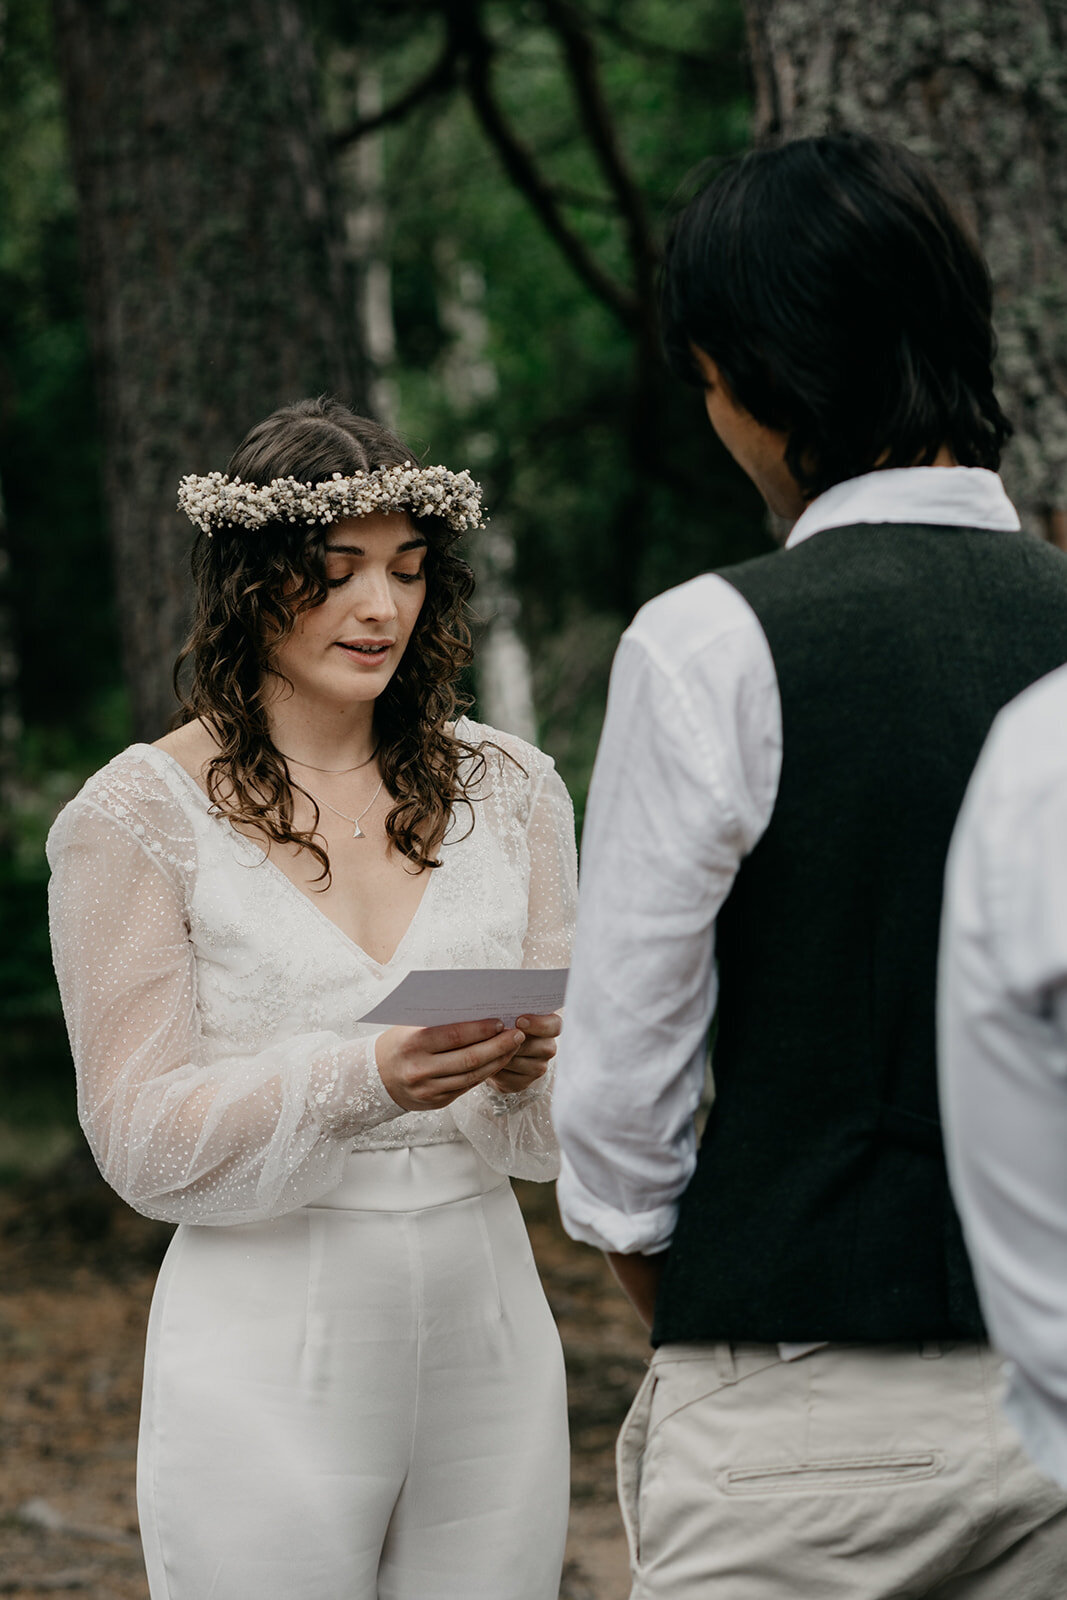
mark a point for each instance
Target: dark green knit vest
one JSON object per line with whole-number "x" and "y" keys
{"x": 819, "y": 1208}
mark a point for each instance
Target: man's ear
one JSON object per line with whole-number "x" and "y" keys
{"x": 707, "y": 368}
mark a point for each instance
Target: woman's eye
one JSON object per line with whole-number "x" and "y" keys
{"x": 402, "y": 577}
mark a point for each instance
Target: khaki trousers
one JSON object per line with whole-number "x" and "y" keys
{"x": 855, "y": 1473}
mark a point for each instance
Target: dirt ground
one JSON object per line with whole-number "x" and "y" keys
{"x": 76, "y": 1275}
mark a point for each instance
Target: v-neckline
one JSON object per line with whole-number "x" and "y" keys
{"x": 208, "y": 806}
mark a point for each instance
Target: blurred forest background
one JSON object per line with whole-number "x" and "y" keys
{"x": 448, "y": 212}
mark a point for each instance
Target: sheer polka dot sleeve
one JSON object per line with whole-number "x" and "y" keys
{"x": 179, "y": 1135}
{"x": 514, "y": 1133}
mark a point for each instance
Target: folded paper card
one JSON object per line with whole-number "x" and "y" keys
{"x": 467, "y": 994}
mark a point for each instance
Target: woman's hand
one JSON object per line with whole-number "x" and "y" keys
{"x": 425, "y": 1069}
{"x": 531, "y": 1059}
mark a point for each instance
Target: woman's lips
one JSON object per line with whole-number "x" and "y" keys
{"x": 371, "y": 653}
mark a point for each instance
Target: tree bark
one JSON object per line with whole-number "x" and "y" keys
{"x": 215, "y": 278}
{"x": 10, "y": 718}
{"x": 979, "y": 88}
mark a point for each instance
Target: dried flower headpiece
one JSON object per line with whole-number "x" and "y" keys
{"x": 216, "y": 500}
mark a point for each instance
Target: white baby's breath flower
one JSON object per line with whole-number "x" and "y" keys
{"x": 215, "y": 500}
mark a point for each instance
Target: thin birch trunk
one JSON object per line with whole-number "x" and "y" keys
{"x": 362, "y": 178}
{"x": 503, "y": 668}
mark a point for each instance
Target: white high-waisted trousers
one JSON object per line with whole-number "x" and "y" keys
{"x": 361, "y": 1400}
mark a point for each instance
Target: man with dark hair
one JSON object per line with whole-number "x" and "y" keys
{"x": 785, "y": 750}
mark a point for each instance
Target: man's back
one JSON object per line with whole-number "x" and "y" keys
{"x": 775, "y": 786}
{"x": 819, "y": 1208}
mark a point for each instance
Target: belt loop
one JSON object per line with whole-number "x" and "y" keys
{"x": 725, "y": 1365}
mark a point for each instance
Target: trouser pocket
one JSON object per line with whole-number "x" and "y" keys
{"x": 628, "y": 1457}
{"x": 830, "y": 1474}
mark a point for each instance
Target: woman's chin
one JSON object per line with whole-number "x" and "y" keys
{"x": 348, "y": 688}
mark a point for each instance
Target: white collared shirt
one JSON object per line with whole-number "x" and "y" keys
{"x": 685, "y": 782}
{"x": 1003, "y": 1051}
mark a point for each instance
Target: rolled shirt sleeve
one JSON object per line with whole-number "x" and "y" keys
{"x": 683, "y": 788}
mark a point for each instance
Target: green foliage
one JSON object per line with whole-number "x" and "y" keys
{"x": 610, "y": 496}
{"x": 608, "y": 480}
{"x": 61, "y": 587}
{"x": 605, "y": 508}
{"x": 36, "y": 1077}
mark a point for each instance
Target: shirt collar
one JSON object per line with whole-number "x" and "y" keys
{"x": 961, "y": 497}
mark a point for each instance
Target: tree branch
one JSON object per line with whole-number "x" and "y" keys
{"x": 442, "y": 76}
{"x": 653, "y": 49}
{"x": 595, "y": 115}
{"x": 477, "y": 49}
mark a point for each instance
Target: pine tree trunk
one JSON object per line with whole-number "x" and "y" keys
{"x": 214, "y": 273}
{"x": 979, "y": 88}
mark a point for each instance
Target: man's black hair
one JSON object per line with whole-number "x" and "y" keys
{"x": 844, "y": 302}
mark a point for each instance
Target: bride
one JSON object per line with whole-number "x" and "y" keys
{"x": 353, "y": 1384}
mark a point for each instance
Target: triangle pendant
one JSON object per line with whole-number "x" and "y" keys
{"x": 359, "y": 834}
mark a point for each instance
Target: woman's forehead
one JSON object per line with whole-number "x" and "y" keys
{"x": 380, "y": 532}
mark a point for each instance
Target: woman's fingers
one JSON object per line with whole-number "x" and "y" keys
{"x": 546, "y": 1027}
{"x": 448, "y": 1037}
{"x": 427, "y": 1068}
{"x": 468, "y": 1066}
{"x": 537, "y": 1050}
{"x": 531, "y": 1058}
{"x": 513, "y": 1078}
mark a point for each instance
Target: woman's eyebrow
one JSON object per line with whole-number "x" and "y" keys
{"x": 354, "y": 549}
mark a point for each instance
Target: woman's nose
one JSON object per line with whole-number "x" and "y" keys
{"x": 374, "y": 597}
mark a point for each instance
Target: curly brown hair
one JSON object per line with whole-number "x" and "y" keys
{"x": 250, "y": 589}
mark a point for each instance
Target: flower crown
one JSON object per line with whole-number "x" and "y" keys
{"x": 217, "y": 500}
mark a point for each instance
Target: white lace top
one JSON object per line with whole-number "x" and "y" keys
{"x": 213, "y": 1008}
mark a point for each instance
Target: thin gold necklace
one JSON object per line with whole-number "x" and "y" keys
{"x": 355, "y": 821}
{"x": 333, "y": 772}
